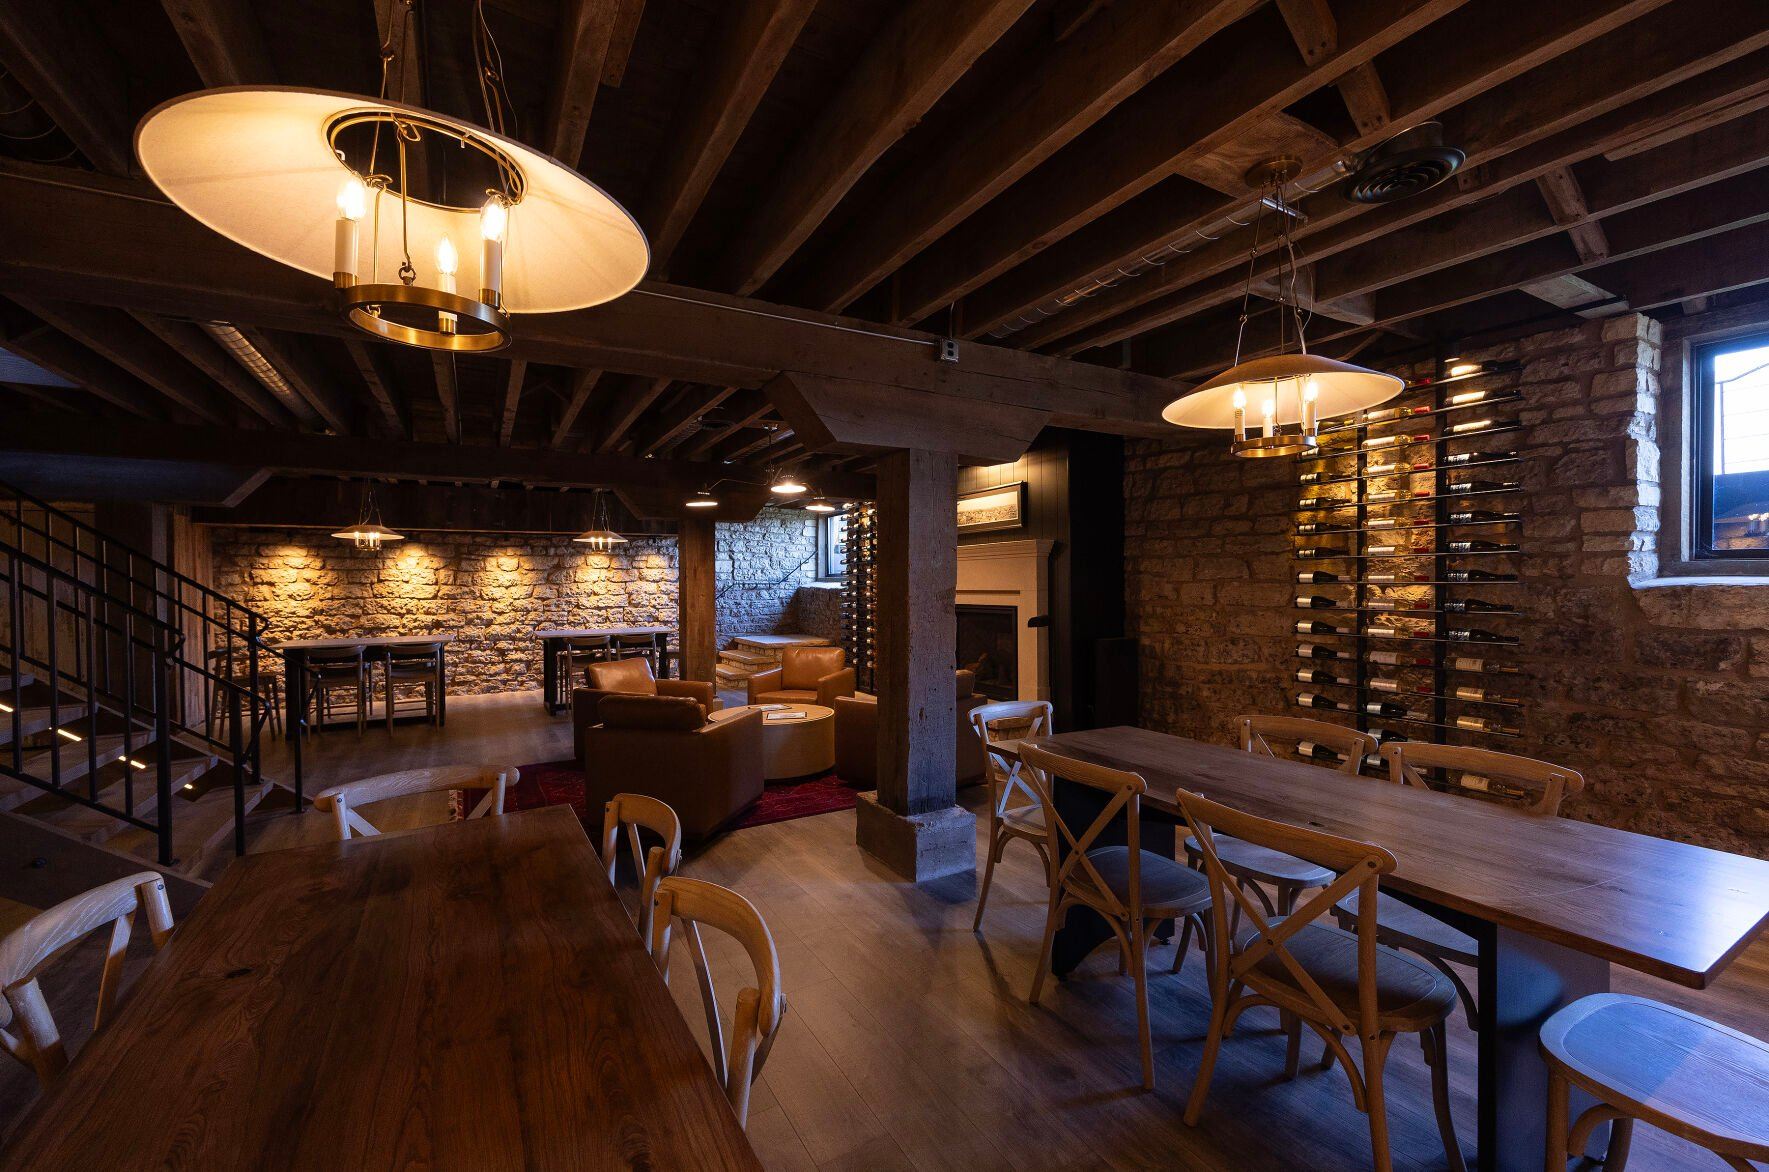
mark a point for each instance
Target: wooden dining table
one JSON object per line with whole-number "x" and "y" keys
{"x": 468, "y": 996}
{"x": 295, "y": 652}
{"x": 1552, "y": 903}
{"x": 554, "y": 639}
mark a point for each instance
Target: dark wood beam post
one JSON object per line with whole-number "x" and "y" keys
{"x": 913, "y": 824}
{"x": 697, "y": 597}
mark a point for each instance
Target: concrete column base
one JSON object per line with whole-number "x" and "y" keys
{"x": 917, "y": 846}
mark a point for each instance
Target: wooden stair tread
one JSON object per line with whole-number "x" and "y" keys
{"x": 37, "y": 718}
{"x": 92, "y": 825}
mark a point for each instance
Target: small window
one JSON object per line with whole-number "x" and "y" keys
{"x": 1731, "y": 449}
{"x": 832, "y": 544}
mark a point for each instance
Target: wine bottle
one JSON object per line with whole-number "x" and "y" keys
{"x": 1314, "y": 675}
{"x": 1316, "y": 627}
{"x": 1385, "y": 708}
{"x": 1317, "y": 752}
{"x": 1473, "y": 516}
{"x": 1474, "y": 425}
{"x": 1310, "y": 527}
{"x": 1389, "y": 441}
{"x": 1480, "y": 547}
{"x": 1462, "y": 399}
{"x": 1471, "y": 605}
{"x": 1476, "y": 457}
{"x": 1386, "y": 551}
{"x": 1316, "y": 577}
{"x": 1386, "y": 604}
{"x": 1481, "y": 783}
{"x": 1320, "y": 551}
{"x": 1476, "y": 635}
{"x": 1316, "y": 651}
{"x": 1379, "y": 684}
{"x": 1382, "y": 523}
{"x": 1398, "y": 659}
{"x": 1481, "y": 724}
{"x": 1461, "y": 486}
{"x": 1382, "y": 497}
{"x": 1383, "y": 632}
{"x": 1476, "y": 576}
{"x": 1385, "y": 469}
{"x": 1481, "y": 694}
{"x": 1319, "y": 502}
{"x": 1312, "y": 477}
{"x": 1315, "y": 602}
{"x": 1316, "y": 700}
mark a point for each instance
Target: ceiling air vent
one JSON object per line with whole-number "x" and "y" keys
{"x": 1410, "y": 162}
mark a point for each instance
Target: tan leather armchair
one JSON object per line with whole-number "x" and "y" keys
{"x": 856, "y": 736}
{"x": 629, "y": 677}
{"x": 806, "y": 675}
{"x": 665, "y": 748}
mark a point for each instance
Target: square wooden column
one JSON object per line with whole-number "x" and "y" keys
{"x": 913, "y": 823}
{"x": 696, "y": 600}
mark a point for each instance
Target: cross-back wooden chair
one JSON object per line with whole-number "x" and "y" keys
{"x": 1015, "y": 810}
{"x": 1255, "y": 865}
{"x": 1524, "y": 783}
{"x": 27, "y": 1029}
{"x": 1340, "y": 984}
{"x": 760, "y": 1007}
{"x": 1133, "y": 890}
{"x": 636, "y": 811}
{"x": 344, "y": 800}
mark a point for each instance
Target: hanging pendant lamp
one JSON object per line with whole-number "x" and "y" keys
{"x": 433, "y": 230}
{"x": 368, "y": 532}
{"x": 1292, "y": 390}
{"x": 599, "y": 536}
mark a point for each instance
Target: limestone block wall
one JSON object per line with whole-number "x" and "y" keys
{"x": 492, "y": 590}
{"x": 1658, "y": 691}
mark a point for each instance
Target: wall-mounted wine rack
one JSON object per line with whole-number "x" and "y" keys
{"x": 1407, "y": 574}
{"x": 860, "y": 594}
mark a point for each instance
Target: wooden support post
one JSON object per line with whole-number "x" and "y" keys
{"x": 913, "y": 824}
{"x": 696, "y": 606}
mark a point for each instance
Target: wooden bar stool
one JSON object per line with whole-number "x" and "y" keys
{"x": 576, "y": 655}
{"x": 637, "y": 647}
{"x": 1641, "y": 1059}
{"x": 1015, "y": 811}
{"x": 412, "y": 667}
{"x": 330, "y": 673}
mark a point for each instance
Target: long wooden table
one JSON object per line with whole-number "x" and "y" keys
{"x": 1551, "y": 902}
{"x": 295, "y": 652}
{"x": 553, "y": 640}
{"x": 469, "y": 996}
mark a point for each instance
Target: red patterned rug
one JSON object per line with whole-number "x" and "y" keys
{"x": 559, "y": 783}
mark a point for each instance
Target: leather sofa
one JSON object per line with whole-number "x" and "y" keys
{"x": 806, "y": 675}
{"x": 665, "y": 748}
{"x": 856, "y": 736}
{"x": 628, "y": 677}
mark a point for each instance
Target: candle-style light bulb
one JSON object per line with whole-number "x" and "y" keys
{"x": 352, "y": 205}
{"x": 1310, "y": 394}
{"x": 493, "y": 220}
{"x": 1240, "y": 403}
{"x": 448, "y": 262}
{"x": 1270, "y": 410}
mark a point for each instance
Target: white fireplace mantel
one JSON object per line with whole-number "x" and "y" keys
{"x": 1016, "y": 574}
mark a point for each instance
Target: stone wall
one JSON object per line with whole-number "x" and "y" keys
{"x": 1657, "y": 690}
{"x": 493, "y": 590}
{"x": 819, "y": 611}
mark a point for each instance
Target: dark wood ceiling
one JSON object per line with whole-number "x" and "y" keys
{"x": 1050, "y": 175}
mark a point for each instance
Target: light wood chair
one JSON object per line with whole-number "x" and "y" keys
{"x": 1340, "y": 984}
{"x": 27, "y": 1030}
{"x": 1254, "y": 865}
{"x": 1640, "y": 1059}
{"x": 412, "y": 667}
{"x": 1535, "y": 787}
{"x": 343, "y": 800}
{"x": 635, "y": 811}
{"x": 1133, "y": 890}
{"x": 1015, "y": 811}
{"x": 760, "y": 1007}
{"x": 330, "y": 673}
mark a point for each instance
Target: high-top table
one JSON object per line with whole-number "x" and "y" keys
{"x": 467, "y": 996}
{"x": 1551, "y": 902}
{"x": 294, "y": 653}
{"x": 553, "y": 640}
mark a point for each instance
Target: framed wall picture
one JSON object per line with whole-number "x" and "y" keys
{"x": 984, "y": 509}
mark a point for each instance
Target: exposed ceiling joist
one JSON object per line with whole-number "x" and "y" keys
{"x": 327, "y": 400}
{"x": 203, "y": 352}
{"x": 1566, "y": 202}
{"x": 583, "y": 382}
{"x": 585, "y": 32}
{"x": 512, "y": 400}
{"x": 622, "y": 410}
{"x": 61, "y": 355}
{"x": 448, "y": 393}
{"x": 224, "y": 40}
{"x": 122, "y": 340}
{"x": 39, "y": 45}
{"x": 383, "y": 387}
{"x": 696, "y": 402}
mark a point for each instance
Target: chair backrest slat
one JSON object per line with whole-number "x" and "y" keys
{"x": 635, "y": 811}
{"x": 343, "y": 800}
{"x": 1353, "y": 745}
{"x": 1012, "y": 720}
{"x": 760, "y": 1008}
{"x": 1536, "y": 787}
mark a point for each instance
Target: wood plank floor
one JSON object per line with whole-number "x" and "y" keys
{"x": 908, "y": 1041}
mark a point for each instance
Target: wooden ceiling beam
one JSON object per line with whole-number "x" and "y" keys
{"x": 383, "y": 387}
{"x": 61, "y": 355}
{"x": 396, "y": 28}
{"x": 1051, "y": 101}
{"x": 1566, "y": 203}
{"x": 1570, "y": 109}
{"x": 846, "y": 414}
{"x": 448, "y": 393}
{"x": 696, "y": 402}
{"x": 120, "y": 339}
{"x": 1316, "y": 33}
{"x": 749, "y": 409}
{"x": 621, "y": 410}
{"x": 585, "y": 32}
{"x": 206, "y": 355}
{"x": 512, "y": 400}
{"x": 922, "y": 50}
{"x": 310, "y": 454}
{"x": 69, "y": 71}
{"x": 224, "y": 40}
{"x": 1698, "y": 269}
{"x": 753, "y": 40}
{"x": 285, "y": 502}
{"x": 583, "y": 382}
{"x": 620, "y": 42}
{"x": 1477, "y": 48}
{"x": 316, "y": 389}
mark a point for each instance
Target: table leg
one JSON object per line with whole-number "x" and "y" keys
{"x": 1523, "y": 981}
{"x": 294, "y": 692}
{"x": 441, "y": 685}
{"x": 1084, "y": 929}
{"x": 550, "y": 676}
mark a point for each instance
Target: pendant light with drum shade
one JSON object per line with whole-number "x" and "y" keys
{"x": 599, "y": 536}
{"x": 1289, "y": 392}
{"x": 433, "y": 230}
{"x": 368, "y": 532}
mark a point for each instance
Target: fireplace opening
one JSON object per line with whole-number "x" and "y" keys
{"x": 989, "y": 645}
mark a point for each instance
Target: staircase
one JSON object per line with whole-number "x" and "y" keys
{"x": 130, "y": 711}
